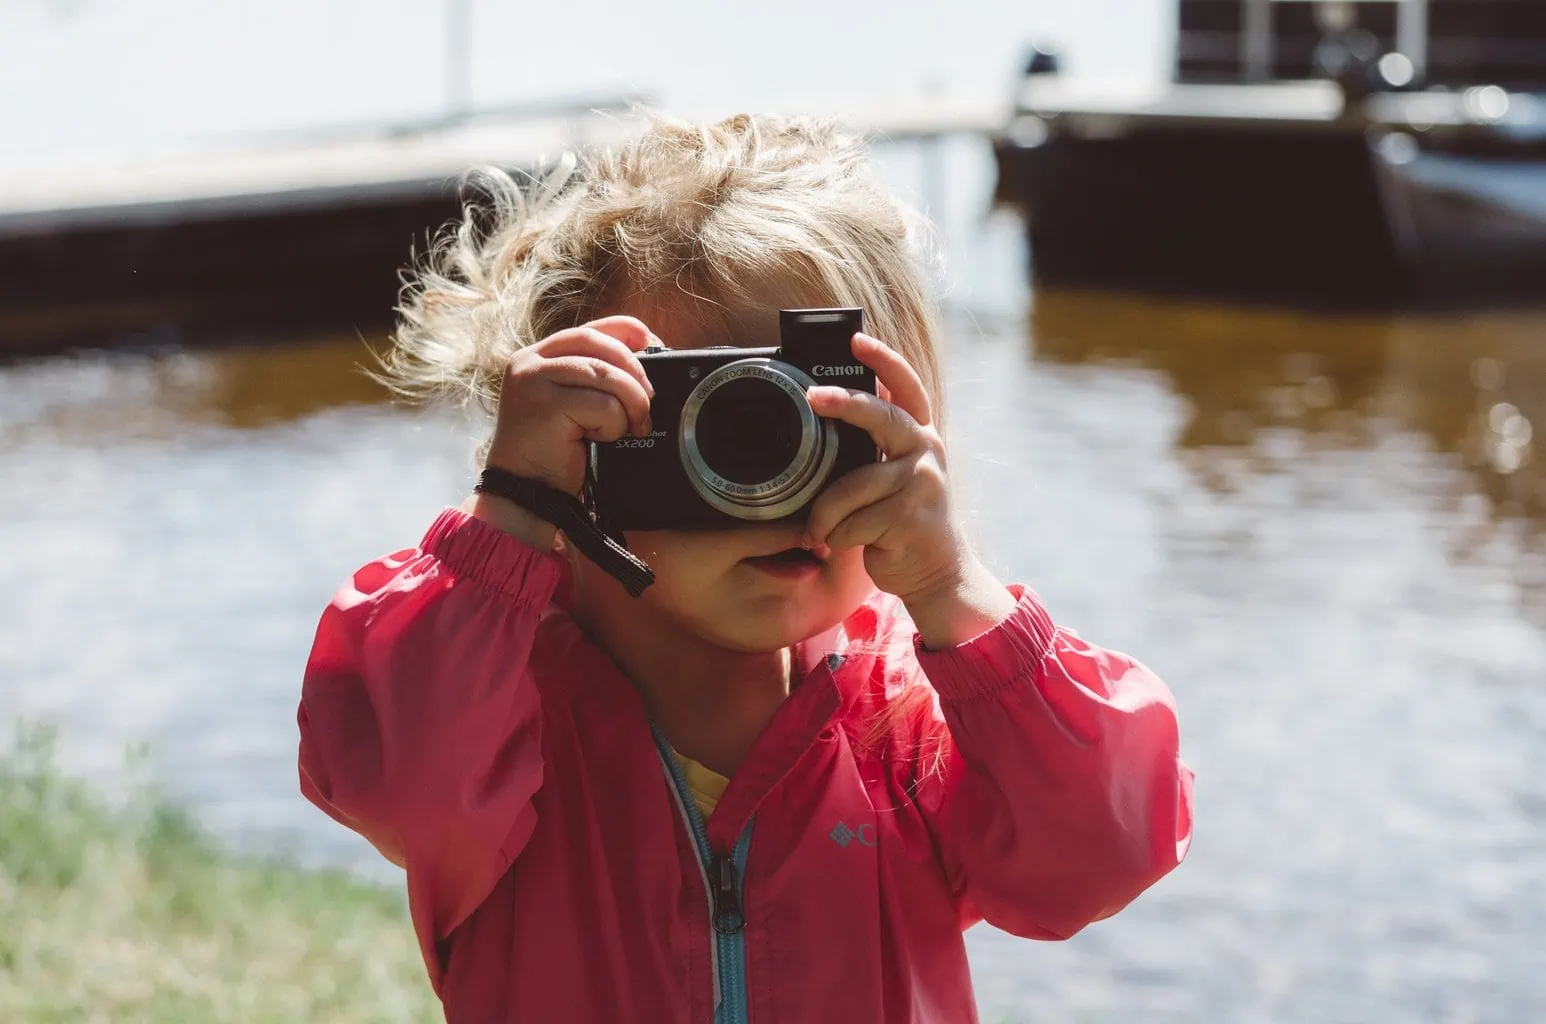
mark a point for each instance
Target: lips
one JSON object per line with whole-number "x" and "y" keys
{"x": 790, "y": 562}
{"x": 788, "y": 556}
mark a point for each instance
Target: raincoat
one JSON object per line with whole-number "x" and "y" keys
{"x": 557, "y": 869}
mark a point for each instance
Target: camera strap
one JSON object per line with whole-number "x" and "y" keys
{"x": 578, "y": 521}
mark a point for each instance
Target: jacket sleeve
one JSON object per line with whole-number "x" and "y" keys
{"x": 1060, "y": 795}
{"x": 419, "y": 716}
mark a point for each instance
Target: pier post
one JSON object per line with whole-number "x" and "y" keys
{"x": 1256, "y": 41}
{"x": 458, "y": 58}
{"x": 1412, "y": 35}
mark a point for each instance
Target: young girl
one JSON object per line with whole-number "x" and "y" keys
{"x": 779, "y": 785}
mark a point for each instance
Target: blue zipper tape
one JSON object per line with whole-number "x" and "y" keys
{"x": 727, "y": 929}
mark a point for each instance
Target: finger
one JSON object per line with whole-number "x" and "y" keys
{"x": 595, "y": 344}
{"x": 599, "y": 415}
{"x": 853, "y": 491}
{"x": 629, "y": 330}
{"x": 584, "y": 372}
{"x": 894, "y": 431}
{"x": 902, "y": 384}
{"x": 868, "y": 526}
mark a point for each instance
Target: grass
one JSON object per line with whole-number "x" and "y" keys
{"x": 129, "y": 913}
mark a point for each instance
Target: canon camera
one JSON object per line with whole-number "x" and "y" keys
{"x": 734, "y": 440}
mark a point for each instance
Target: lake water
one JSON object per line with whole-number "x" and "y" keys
{"x": 1328, "y": 535}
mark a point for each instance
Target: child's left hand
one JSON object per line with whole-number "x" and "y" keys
{"x": 900, "y": 510}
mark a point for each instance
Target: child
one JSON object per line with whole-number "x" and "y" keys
{"x": 779, "y": 784}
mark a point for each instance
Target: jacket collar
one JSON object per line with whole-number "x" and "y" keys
{"x": 833, "y": 667}
{"x": 793, "y": 731}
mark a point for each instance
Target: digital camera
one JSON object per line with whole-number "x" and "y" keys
{"x": 734, "y": 440}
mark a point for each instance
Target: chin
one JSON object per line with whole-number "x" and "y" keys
{"x": 771, "y": 622}
{"x": 761, "y": 638}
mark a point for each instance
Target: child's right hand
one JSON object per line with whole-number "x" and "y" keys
{"x": 576, "y": 385}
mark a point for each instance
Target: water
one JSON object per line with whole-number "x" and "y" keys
{"x": 1328, "y": 535}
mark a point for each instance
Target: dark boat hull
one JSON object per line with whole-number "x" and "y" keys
{"x": 1269, "y": 216}
{"x": 1313, "y": 217}
{"x": 1476, "y": 228}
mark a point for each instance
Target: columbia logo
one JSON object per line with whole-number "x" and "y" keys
{"x": 842, "y": 835}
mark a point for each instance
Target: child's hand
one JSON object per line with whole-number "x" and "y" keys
{"x": 580, "y": 384}
{"x": 899, "y": 510}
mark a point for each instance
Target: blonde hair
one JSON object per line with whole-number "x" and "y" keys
{"x": 720, "y": 224}
{"x": 717, "y": 225}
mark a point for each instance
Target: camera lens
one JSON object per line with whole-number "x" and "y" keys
{"x": 748, "y": 431}
{"x": 751, "y": 444}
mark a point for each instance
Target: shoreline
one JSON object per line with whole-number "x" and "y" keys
{"x": 134, "y": 913}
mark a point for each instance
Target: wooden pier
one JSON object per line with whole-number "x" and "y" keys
{"x": 306, "y": 228}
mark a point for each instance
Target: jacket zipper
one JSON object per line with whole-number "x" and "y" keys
{"x": 723, "y": 881}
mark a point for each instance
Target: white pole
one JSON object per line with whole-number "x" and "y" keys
{"x": 1412, "y": 34}
{"x": 458, "y": 58}
{"x": 1256, "y": 40}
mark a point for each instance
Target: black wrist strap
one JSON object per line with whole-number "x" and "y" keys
{"x": 577, "y": 521}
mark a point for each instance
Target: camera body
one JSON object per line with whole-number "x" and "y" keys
{"x": 734, "y": 441}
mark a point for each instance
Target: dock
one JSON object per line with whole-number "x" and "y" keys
{"x": 1299, "y": 105}
{"x": 296, "y": 228}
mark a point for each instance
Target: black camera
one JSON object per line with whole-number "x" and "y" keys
{"x": 734, "y": 440}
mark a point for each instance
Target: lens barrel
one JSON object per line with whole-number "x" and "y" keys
{"x": 799, "y": 463}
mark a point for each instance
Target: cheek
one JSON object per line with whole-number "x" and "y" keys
{"x": 848, "y": 576}
{"x": 679, "y": 556}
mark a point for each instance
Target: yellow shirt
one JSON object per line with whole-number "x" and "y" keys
{"x": 705, "y": 785}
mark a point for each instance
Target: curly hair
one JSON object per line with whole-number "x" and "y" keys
{"x": 721, "y": 224}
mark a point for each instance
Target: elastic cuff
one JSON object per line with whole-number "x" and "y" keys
{"x": 474, "y": 549}
{"x": 1004, "y": 654}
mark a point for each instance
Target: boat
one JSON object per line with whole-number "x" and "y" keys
{"x": 1317, "y": 153}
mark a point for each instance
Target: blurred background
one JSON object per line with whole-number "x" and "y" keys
{"x": 1248, "y": 347}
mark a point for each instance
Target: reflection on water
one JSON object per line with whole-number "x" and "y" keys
{"x": 1267, "y": 384}
{"x": 1325, "y": 533}
{"x": 140, "y": 393}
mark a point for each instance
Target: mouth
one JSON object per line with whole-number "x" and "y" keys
{"x": 794, "y": 561}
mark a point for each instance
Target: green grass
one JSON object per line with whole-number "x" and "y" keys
{"x": 129, "y": 913}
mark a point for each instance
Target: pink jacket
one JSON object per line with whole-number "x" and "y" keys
{"x": 557, "y": 870}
